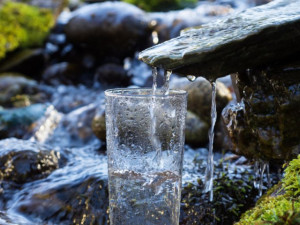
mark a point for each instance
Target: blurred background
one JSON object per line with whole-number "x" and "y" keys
{"x": 56, "y": 59}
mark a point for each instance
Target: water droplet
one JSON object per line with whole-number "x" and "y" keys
{"x": 191, "y": 78}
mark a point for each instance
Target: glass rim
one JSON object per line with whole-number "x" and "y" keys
{"x": 121, "y": 92}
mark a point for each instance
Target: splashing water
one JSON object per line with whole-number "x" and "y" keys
{"x": 209, "y": 173}
{"x": 260, "y": 167}
{"x": 47, "y": 125}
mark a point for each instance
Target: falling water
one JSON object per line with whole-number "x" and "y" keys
{"x": 165, "y": 91}
{"x": 154, "y": 85}
{"x": 259, "y": 169}
{"x": 165, "y": 88}
{"x": 209, "y": 173}
{"x": 153, "y": 137}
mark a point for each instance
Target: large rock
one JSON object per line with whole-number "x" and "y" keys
{"x": 24, "y": 161}
{"x": 25, "y": 61}
{"x": 244, "y": 40}
{"x": 196, "y": 130}
{"x": 83, "y": 202}
{"x": 169, "y": 24}
{"x": 200, "y": 94}
{"x": 281, "y": 205}
{"x": 112, "y": 74}
{"x": 62, "y": 73}
{"x": 266, "y": 123}
{"x": 109, "y": 29}
{"x": 19, "y": 91}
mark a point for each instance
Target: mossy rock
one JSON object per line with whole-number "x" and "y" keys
{"x": 23, "y": 26}
{"x": 268, "y": 124}
{"x": 281, "y": 205}
{"x": 162, "y": 5}
{"x": 234, "y": 193}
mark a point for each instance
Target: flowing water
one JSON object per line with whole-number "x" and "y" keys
{"x": 76, "y": 191}
{"x": 261, "y": 168}
{"x": 153, "y": 137}
{"x": 165, "y": 88}
{"x": 210, "y": 159}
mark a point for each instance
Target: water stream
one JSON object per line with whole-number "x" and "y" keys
{"x": 260, "y": 169}
{"x": 165, "y": 88}
{"x": 153, "y": 137}
{"x": 209, "y": 173}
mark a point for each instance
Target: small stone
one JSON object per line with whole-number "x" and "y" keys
{"x": 99, "y": 126}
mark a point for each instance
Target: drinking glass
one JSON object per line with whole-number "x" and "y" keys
{"x": 145, "y": 141}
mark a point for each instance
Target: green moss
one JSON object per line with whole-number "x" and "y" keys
{"x": 22, "y": 25}
{"x": 281, "y": 205}
{"x": 234, "y": 193}
{"x": 161, "y": 5}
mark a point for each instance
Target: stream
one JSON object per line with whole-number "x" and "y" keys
{"x": 57, "y": 172}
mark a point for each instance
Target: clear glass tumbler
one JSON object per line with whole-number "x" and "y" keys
{"x": 145, "y": 141}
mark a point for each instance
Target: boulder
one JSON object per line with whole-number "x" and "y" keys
{"x": 162, "y": 5}
{"x": 29, "y": 62}
{"x": 266, "y": 124}
{"x": 281, "y": 204}
{"x": 112, "y": 74}
{"x": 25, "y": 161}
{"x": 199, "y": 96}
{"x": 196, "y": 130}
{"x": 168, "y": 25}
{"x": 62, "y": 73}
{"x": 109, "y": 29}
{"x": 83, "y": 202}
{"x": 19, "y": 91}
{"x": 237, "y": 42}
